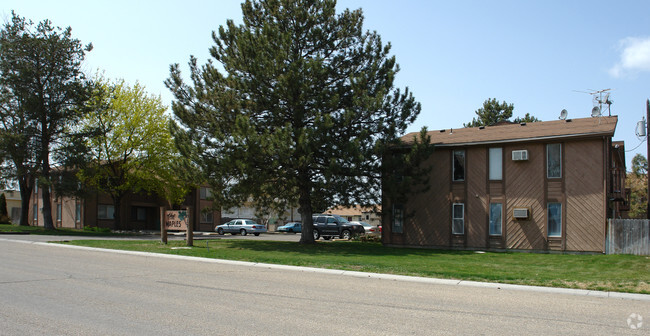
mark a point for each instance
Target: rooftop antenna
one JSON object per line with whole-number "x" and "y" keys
{"x": 564, "y": 114}
{"x": 601, "y": 101}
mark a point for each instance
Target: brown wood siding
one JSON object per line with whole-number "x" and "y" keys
{"x": 525, "y": 188}
{"x": 428, "y": 214}
{"x": 476, "y": 227}
{"x": 496, "y": 188}
{"x": 555, "y": 189}
{"x": 585, "y": 198}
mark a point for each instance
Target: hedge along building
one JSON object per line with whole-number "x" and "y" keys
{"x": 530, "y": 186}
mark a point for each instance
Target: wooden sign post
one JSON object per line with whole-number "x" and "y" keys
{"x": 176, "y": 220}
{"x": 163, "y": 228}
{"x": 189, "y": 234}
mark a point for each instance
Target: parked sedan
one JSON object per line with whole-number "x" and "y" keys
{"x": 370, "y": 230}
{"x": 240, "y": 226}
{"x": 293, "y": 227}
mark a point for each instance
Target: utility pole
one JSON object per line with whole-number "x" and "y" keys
{"x": 648, "y": 154}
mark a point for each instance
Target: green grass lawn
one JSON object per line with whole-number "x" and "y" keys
{"x": 620, "y": 273}
{"x": 17, "y": 229}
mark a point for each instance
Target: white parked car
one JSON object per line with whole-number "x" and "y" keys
{"x": 240, "y": 226}
{"x": 370, "y": 230}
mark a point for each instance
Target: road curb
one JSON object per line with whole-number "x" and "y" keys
{"x": 357, "y": 274}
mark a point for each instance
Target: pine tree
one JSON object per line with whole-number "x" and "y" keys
{"x": 493, "y": 112}
{"x": 302, "y": 112}
{"x": 41, "y": 89}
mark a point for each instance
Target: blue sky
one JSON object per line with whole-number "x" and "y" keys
{"x": 453, "y": 55}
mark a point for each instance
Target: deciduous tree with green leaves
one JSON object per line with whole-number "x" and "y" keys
{"x": 493, "y": 112}
{"x": 42, "y": 87}
{"x": 637, "y": 181}
{"x": 131, "y": 149}
{"x": 299, "y": 106}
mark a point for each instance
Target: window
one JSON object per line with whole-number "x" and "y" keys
{"x": 206, "y": 193}
{"x": 458, "y": 221}
{"x": 398, "y": 218}
{"x": 459, "y": 165}
{"x": 139, "y": 214}
{"x": 555, "y": 219}
{"x": 207, "y": 216}
{"x": 496, "y": 163}
{"x": 35, "y": 211}
{"x": 58, "y": 212}
{"x": 496, "y": 218}
{"x": 554, "y": 160}
{"x": 105, "y": 211}
{"x": 77, "y": 212}
{"x": 15, "y": 215}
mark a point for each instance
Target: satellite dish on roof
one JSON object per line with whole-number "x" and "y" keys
{"x": 564, "y": 114}
{"x": 595, "y": 112}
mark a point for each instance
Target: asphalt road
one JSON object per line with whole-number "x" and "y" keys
{"x": 51, "y": 290}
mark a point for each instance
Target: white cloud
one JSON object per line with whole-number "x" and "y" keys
{"x": 635, "y": 57}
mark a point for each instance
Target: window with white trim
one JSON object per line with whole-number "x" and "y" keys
{"x": 458, "y": 219}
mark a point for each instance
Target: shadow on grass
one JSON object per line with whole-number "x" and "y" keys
{"x": 343, "y": 248}
{"x": 39, "y": 230}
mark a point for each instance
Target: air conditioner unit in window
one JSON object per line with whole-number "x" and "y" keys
{"x": 520, "y": 155}
{"x": 520, "y": 213}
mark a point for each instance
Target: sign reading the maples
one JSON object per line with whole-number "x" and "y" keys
{"x": 176, "y": 220}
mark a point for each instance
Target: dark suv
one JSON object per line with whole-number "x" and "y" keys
{"x": 328, "y": 226}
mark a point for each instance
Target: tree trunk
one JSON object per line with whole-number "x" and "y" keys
{"x": 45, "y": 174}
{"x": 47, "y": 208}
{"x": 26, "y": 185}
{"x": 45, "y": 188}
{"x": 305, "y": 210}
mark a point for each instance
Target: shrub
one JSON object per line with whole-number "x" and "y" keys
{"x": 95, "y": 229}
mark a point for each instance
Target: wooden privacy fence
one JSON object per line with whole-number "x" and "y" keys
{"x": 628, "y": 236}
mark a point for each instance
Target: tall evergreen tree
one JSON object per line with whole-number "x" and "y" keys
{"x": 42, "y": 87}
{"x": 303, "y": 110}
{"x": 527, "y": 119}
{"x": 493, "y": 112}
{"x": 18, "y": 148}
